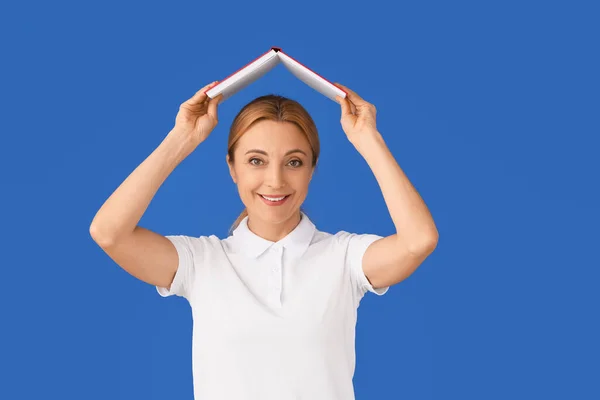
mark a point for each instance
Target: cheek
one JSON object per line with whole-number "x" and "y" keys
{"x": 300, "y": 181}
{"x": 248, "y": 181}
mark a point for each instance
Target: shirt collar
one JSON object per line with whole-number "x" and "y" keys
{"x": 295, "y": 243}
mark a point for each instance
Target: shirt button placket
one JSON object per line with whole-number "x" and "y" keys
{"x": 277, "y": 267}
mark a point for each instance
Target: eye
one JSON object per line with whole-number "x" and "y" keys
{"x": 258, "y": 161}
{"x": 298, "y": 163}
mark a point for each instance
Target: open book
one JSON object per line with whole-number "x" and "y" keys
{"x": 263, "y": 64}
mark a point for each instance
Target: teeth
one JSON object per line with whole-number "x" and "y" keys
{"x": 273, "y": 198}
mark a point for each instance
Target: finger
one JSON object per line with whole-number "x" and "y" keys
{"x": 351, "y": 95}
{"x": 352, "y": 106}
{"x": 346, "y": 109}
{"x": 212, "y": 106}
{"x": 200, "y": 95}
{"x": 343, "y": 105}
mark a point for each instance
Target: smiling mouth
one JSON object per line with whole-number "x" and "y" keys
{"x": 274, "y": 199}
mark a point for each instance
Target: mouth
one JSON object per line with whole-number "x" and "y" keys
{"x": 274, "y": 200}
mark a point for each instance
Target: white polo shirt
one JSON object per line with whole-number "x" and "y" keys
{"x": 273, "y": 320}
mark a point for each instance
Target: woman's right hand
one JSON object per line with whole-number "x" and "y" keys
{"x": 197, "y": 117}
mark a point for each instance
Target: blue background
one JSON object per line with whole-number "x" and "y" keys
{"x": 491, "y": 109}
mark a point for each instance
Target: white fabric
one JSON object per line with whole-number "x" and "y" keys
{"x": 273, "y": 321}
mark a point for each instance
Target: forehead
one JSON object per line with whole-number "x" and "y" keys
{"x": 273, "y": 136}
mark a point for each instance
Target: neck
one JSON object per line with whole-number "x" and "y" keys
{"x": 270, "y": 231}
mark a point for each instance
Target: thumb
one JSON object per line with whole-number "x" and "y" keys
{"x": 212, "y": 106}
{"x": 344, "y": 104}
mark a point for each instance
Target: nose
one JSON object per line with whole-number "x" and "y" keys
{"x": 274, "y": 177}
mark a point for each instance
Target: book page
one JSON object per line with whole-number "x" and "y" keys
{"x": 245, "y": 76}
{"x": 311, "y": 78}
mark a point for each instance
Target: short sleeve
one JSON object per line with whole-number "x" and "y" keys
{"x": 187, "y": 250}
{"x": 355, "y": 247}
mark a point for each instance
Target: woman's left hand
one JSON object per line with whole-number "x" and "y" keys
{"x": 358, "y": 115}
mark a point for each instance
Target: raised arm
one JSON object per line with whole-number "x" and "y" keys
{"x": 392, "y": 259}
{"x": 144, "y": 254}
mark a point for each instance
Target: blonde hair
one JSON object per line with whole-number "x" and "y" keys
{"x": 274, "y": 108}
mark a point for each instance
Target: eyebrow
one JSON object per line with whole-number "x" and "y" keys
{"x": 265, "y": 153}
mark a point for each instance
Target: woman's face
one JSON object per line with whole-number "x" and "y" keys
{"x": 272, "y": 159}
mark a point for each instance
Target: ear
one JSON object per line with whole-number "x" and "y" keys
{"x": 231, "y": 169}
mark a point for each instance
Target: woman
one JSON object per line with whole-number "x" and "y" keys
{"x": 274, "y": 304}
